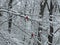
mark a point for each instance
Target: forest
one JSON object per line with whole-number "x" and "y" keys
{"x": 29, "y": 22}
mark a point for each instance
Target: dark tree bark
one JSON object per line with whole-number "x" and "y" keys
{"x": 39, "y": 35}
{"x": 10, "y": 16}
{"x": 42, "y": 7}
{"x": 0, "y": 14}
{"x": 50, "y": 38}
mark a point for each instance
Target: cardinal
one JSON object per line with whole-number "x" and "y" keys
{"x": 26, "y": 18}
{"x": 32, "y": 35}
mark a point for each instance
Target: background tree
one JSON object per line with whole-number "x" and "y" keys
{"x": 43, "y": 4}
{"x": 10, "y": 16}
{"x": 50, "y": 38}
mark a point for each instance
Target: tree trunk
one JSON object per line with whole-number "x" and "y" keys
{"x": 39, "y": 35}
{"x": 10, "y": 16}
{"x": 50, "y": 38}
{"x": 42, "y": 7}
{"x": 0, "y": 14}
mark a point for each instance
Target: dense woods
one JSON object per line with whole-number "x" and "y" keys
{"x": 29, "y": 22}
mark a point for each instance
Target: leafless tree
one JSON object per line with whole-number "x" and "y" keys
{"x": 10, "y": 16}
{"x": 50, "y": 38}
